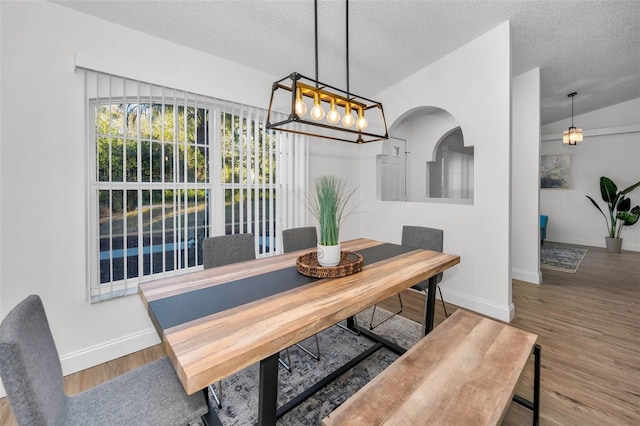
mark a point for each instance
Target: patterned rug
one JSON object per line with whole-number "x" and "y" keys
{"x": 337, "y": 347}
{"x": 561, "y": 257}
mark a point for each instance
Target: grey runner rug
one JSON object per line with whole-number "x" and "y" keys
{"x": 561, "y": 257}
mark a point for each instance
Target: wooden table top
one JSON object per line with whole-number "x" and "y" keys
{"x": 463, "y": 373}
{"x": 209, "y": 348}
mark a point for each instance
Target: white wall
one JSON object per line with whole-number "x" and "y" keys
{"x": 42, "y": 177}
{"x": 525, "y": 160}
{"x": 473, "y": 85}
{"x": 611, "y": 148}
{"x": 341, "y": 159}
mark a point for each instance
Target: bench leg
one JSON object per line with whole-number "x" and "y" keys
{"x": 535, "y": 405}
{"x": 536, "y": 384}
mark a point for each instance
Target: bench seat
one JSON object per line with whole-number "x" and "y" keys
{"x": 463, "y": 373}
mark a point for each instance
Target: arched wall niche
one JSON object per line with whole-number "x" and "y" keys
{"x": 425, "y": 159}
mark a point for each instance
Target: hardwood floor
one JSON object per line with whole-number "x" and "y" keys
{"x": 588, "y": 326}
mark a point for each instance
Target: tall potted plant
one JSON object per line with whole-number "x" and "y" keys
{"x": 620, "y": 212}
{"x": 327, "y": 202}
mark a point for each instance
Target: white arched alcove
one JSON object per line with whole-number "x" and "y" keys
{"x": 425, "y": 159}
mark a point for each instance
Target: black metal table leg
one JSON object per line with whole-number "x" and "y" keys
{"x": 430, "y": 306}
{"x": 351, "y": 323}
{"x": 268, "y": 391}
{"x": 211, "y": 418}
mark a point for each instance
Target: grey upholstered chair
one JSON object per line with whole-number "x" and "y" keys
{"x": 225, "y": 250}
{"x": 32, "y": 376}
{"x": 423, "y": 238}
{"x": 228, "y": 249}
{"x": 297, "y": 239}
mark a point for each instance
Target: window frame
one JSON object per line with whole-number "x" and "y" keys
{"x": 289, "y": 181}
{"x": 128, "y": 286}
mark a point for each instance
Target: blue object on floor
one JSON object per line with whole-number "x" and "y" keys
{"x": 543, "y": 228}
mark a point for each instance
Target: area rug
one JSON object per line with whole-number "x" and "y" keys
{"x": 337, "y": 347}
{"x": 561, "y": 257}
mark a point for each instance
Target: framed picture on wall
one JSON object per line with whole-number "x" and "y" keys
{"x": 555, "y": 171}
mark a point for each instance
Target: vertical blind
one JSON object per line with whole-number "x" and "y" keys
{"x": 168, "y": 168}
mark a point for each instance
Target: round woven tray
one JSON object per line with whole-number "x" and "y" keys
{"x": 350, "y": 263}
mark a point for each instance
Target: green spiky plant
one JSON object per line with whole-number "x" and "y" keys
{"x": 620, "y": 212}
{"x": 327, "y": 203}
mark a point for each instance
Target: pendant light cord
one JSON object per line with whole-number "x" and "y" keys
{"x": 572, "y": 111}
{"x": 315, "y": 16}
{"x": 347, "y": 44}
{"x": 571, "y": 95}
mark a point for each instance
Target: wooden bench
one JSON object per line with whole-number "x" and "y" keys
{"x": 463, "y": 373}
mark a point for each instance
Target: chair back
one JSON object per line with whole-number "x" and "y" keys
{"x": 423, "y": 238}
{"x": 299, "y": 238}
{"x": 543, "y": 220}
{"x": 227, "y": 249}
{"x": 30, "y": 365}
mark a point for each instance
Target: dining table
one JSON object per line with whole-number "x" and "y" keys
{"x": 218, "y": 321}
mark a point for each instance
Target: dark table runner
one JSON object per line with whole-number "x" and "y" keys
{"x": 185, "y": 307}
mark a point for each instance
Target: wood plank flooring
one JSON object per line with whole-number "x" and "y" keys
{"x": 588, "y": 325}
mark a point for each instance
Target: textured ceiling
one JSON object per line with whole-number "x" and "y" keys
{"x": 591, "y": 47}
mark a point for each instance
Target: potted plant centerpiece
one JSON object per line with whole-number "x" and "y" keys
{"x": 620, "y": 212}
{"x": 327, "y": 202}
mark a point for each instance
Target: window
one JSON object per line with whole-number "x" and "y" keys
{"x": 167, "y": 169}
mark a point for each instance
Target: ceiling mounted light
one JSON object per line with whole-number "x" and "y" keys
{"x": 573, "y": 135}
{"x": 288, "y": 97}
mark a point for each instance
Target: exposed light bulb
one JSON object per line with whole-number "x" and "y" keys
{"x": 317, "y": 112}
{"x": 333, "y": 116}
{"x": 361, "y": 122}
{"x": 348, "y": 120}
{"x": 301, "y": 107}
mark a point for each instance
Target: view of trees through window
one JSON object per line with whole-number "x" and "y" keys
{"x": 155, "y": 186}
{"x": 248, "y": 173}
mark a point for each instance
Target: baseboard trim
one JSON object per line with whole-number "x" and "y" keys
{"x": 104, "y": 352}
{"x": 482, "y": 306}
{"x": 527, "y": 276}
{"x": 627, "y": 245}
{"x": 107, "y": 351}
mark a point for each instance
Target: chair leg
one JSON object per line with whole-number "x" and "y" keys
{"x": 315, "y": 356}
{"x": 212, "y": 392}
{"x": 286, "y": 365}
{"x": 442, "y": 300}
{"x": 372, "y": 325}
{"x": 355, "y": 321}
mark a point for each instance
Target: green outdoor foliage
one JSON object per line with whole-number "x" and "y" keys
{"x": 327, "y": 203}
{"x": 620, "y": 212}
{"x": 154, "y": 142}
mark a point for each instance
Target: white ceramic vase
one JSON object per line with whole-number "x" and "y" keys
{"x": 329, "y": 255}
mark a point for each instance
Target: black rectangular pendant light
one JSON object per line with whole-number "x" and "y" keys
{"x": 299, "y": 104}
